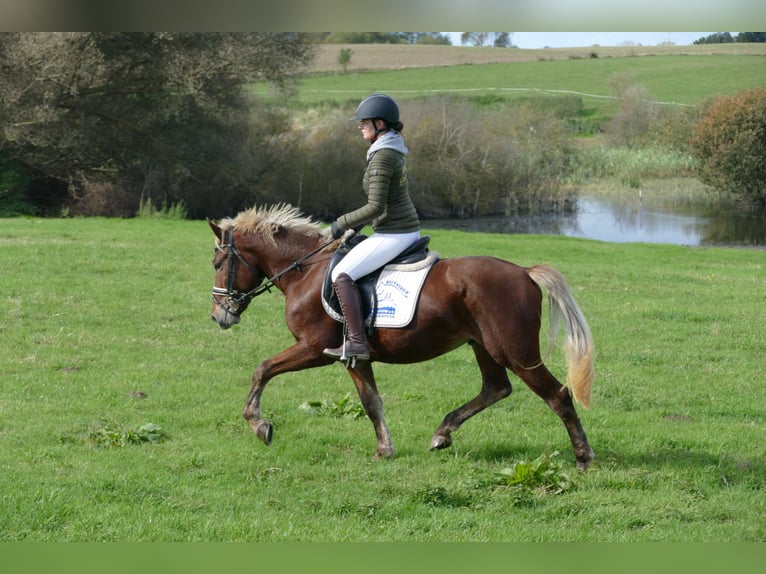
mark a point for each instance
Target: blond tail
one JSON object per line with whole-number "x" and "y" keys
{"x": 578, "y": 348}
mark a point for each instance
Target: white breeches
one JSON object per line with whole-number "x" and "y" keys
{"x": 373, "y": 253}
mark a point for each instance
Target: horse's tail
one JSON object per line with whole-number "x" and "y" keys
{"x": 578, "y": 347}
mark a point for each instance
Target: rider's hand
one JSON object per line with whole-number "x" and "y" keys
{"x": 335, "y": 231}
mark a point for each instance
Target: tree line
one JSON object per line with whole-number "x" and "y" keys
{"x": 728, "y": 38}
{"x": 496, "y": 39}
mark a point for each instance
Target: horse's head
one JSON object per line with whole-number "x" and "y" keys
{"x": 236, "y": 279}
{"x": 276, "y": 239}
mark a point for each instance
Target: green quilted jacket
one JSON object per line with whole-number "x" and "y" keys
{"x": 389, "y": 207}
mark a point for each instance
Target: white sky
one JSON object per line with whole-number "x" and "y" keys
{"x": 535, "y": 40}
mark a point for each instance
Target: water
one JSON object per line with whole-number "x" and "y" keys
{"x": 642, "y": 221}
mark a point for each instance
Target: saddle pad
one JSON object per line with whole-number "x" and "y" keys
{"x": 397, "y": 290}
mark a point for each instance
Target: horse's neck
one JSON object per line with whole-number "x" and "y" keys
{"x": 277, "y": 258}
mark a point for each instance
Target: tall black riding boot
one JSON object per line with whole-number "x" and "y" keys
{"x": 355, "y": 346}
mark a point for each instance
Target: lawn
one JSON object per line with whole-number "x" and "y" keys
{"x": 120, "y": 418}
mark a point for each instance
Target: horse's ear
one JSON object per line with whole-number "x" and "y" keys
{"x": 275, "y": 228}
{"x": 215, "y": 228}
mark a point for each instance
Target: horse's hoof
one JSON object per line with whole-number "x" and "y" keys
{"x": 264, "y": 431}
{"x": 583, "y": 462}
{"x": 439, "y": 442}
{"x": 382, "y": 454}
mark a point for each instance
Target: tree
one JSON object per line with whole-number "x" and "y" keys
{"x": 717, "y": 38}
{"x": 138, "y": 115}
{"x": 344, "y": 58}
{"x": 433, "y": 38}
{"x": 751, "y": 37}
{"x": 496, "y": 39}
{"x": 730, "y": 144}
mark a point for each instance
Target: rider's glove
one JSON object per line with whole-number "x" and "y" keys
{"x": 335, "y": 231}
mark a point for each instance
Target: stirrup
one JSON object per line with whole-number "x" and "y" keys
{"x": 350, "y": 360}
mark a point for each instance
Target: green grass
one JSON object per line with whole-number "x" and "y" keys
{"x": 105, "y": 331}
{"x": 681, "y": 79}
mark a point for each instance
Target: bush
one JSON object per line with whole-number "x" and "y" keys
{"x": 471, "y": 161}
{"x": 642, "y": 121}
{"x": 730, "y": 144}
{"x": 467, "y": 159}
{"x": 13, "y": 186}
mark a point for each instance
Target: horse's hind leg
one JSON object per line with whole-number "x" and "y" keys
{"x": 495, "y": 386}
{"x": 559, "y": 399}
{"x": 364, "y": 379}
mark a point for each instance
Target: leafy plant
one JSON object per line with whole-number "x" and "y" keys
{"x": 545, "y": 475}
{"x": 114, "y": 435}
{"x": 344, "y": 407}
{"x": 164, "y": 211}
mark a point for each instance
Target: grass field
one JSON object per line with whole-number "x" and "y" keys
{"x": 120, "y": 417}
{"x": 679, "y": 74}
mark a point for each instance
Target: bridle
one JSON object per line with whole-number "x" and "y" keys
{"x": 234, "y": 300}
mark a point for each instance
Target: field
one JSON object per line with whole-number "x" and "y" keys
{"x": 120, "y": 418}
{"x": 670, "y": 74}
{"x": 399, "y": 56}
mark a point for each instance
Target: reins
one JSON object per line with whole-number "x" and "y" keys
{"x": 238, "y": 299}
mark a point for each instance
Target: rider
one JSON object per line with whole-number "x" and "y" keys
{"x": 389, "y": 209}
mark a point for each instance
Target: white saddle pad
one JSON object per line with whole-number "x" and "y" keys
{"x": 398, "y": 289}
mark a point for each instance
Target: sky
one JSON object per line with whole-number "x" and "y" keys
{"x": 536, "y": 40}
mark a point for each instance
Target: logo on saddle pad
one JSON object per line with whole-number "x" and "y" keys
{"x": 389, "y": 295}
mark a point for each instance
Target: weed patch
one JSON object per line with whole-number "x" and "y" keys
{"x": 345, "y": 407}
{"x": 544, "y": 475}
{"x": 115, "y": 435}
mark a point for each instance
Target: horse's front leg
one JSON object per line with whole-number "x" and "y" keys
{"x": 295, "y": 358}
{"x": 364, "y": 379}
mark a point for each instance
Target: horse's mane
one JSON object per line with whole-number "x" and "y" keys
{"x": 265, "y": 219}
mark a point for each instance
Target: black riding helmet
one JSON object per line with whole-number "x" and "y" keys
{"x": 378, "y": 106}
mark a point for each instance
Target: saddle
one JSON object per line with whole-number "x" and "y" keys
{"x": 415, "y": 253}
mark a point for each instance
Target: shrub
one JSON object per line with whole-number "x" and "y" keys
{"x": 637, "y": 113}
{"x": 13, "y": 186}
{"x": 468, "y": 161}
{"x": 643, "y": 121}
{"x": 730, "y": 144}
{"x": 99, "y": 197}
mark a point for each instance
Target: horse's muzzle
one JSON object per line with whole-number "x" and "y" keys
{"x": 224, "y": 317}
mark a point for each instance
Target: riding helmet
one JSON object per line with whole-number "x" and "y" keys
{"x": 378, "y": 106}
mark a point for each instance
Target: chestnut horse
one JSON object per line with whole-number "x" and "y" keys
{"x": 493, "y": 305}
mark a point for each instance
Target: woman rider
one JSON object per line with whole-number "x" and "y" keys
{"x": 389, "y": 209}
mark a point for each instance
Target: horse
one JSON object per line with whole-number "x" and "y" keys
{"x": 493, "y": 305}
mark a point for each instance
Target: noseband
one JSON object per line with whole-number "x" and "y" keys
{"x": 234, "y": 300}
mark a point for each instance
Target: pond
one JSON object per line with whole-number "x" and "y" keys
{"x": 644, "y": 221}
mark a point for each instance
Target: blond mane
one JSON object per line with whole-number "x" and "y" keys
{"x": 264, "y": 220}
